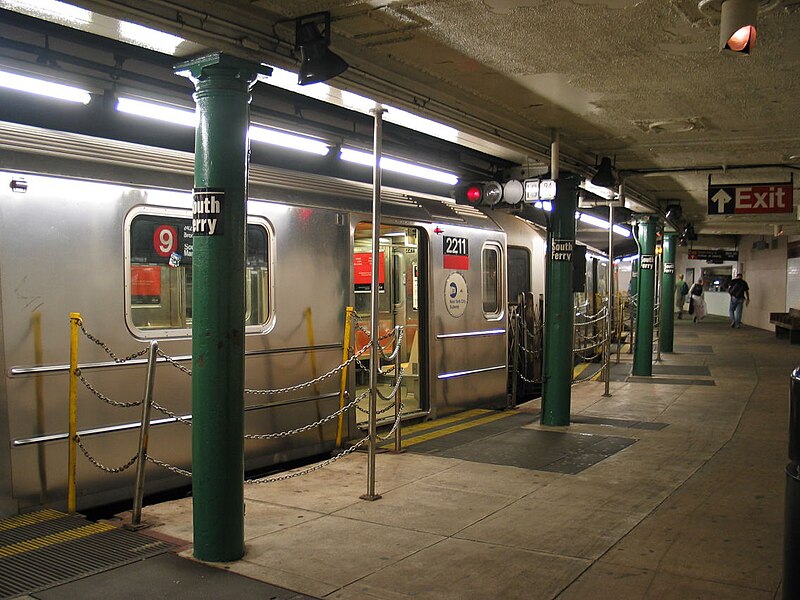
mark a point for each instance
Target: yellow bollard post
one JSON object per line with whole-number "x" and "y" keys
{"x": 74, "y": 322}
{"x": 348, "y": 324}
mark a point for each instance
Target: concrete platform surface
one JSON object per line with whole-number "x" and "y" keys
{"x": 692, "y": 508}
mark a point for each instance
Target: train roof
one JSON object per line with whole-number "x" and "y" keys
{"x": 28, "y": 149}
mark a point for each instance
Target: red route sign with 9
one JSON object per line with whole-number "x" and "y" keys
{"x": 165, "y": 240}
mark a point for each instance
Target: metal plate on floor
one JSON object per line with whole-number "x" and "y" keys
{"x": 693, "y": 349}
{"x": 47, "y": 548}
{"x": 626, "y": 423}
{"x": 670, "y": 380}
{"x": 554, "y": 451}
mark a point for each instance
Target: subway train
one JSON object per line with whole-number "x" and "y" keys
{"x": 103, "y": 228}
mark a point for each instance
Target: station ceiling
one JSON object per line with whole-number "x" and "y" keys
{"x": 640, "y": 81}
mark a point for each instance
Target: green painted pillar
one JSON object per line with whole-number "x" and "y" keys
{"x": 559, "y": 311}
{"x": 219, "y": 211}
{"x": 668, "y": 292}
{"x": 643, "y": 352}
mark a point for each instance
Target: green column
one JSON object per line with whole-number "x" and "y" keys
{"x": 668, "y": 292}
{"x": 559, "y": 308}
{"x": 643, "y": 352}
{"x": 219, "y": 211}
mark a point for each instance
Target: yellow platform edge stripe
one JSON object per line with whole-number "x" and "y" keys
{"x": 55, "y": 538}
{"x": 456, "y": 428}
{"x": 30, "y": 519}
{"x": 426, "y": 425}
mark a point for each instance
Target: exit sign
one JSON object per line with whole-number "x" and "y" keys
{"x": 750, "y": 199}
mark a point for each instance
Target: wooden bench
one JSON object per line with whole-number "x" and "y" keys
{"x": 787, "y": 325}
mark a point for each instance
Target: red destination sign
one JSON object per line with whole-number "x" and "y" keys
{"x": 362, "y": 271}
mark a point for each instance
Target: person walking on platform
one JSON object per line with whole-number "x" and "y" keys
{"x": 740, "y": 297}
{"x": 697, "y": 305}
{"x": 681, "y": 291}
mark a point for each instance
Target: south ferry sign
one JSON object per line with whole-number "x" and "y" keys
{"x": 756, "y": 198}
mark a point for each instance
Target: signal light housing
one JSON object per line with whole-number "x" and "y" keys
{"x": 737, "y": 28}
{"x": 479, "y": 193}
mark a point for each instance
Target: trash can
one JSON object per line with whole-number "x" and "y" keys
{"x": 791, "y": 523}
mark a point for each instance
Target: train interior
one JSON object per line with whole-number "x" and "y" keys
{"x": 401, "y": 277}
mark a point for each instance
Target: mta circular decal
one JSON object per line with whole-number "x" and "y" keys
{"x": 456, "y": 294}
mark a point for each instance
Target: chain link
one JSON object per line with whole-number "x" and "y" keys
{"x": 174, "y": 362}
{"x": 390, "y": 433}
{"x": 102, "y": 397}
{"x": 169, "y": 413}
{"x": 280, "y": 434}
{"x": 100, "y": 465}
{"x": 316, "y": 467}
{"x": 169, "y": 467}
{"x": 107, "y": 349}
{"x": 300, "y": 386}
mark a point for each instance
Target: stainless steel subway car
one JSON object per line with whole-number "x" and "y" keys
{"x": 103, "y": 228}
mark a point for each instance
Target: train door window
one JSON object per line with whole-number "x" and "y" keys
{"x": 491, "y": 278}
{"x": 399, "y": 280}
{"x": 519, "y": 272}
{"x": 159, "y": 256}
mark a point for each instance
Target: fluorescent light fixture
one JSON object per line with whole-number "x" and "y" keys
{"x": 358, "y": 103}
{"x": 160, "y": 112}
{"x": 149, "y": 38}
{"x": 188, "y": 118}
{"x": 398, "y": 166}
{"x": 620, "y": 230}
{"x": 603, "y": 224}
{"x": 288, "y": 81}
{"x": 321, "y": 91}
{"x": 592, "y": 220}
{"x": 288, "y": 140}
{"x": 59, "y": 11}
{"x": 630, "y": 258}
{"x": 597, "y": 190}
{"x": 421, "y": 124}
{"x": 40, "y": 87}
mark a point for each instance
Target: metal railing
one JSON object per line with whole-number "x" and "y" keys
{"x": 393, "y": 340}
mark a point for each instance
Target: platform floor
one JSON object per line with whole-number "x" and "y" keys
{"x": 686, "y": 501}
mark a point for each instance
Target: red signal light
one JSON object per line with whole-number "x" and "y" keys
{"x": 474, "y": 193}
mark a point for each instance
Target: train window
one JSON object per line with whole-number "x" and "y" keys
{"x": 519, "y": 272}
{"x": 491, "y": 280}
{"x": 160, "y": 292}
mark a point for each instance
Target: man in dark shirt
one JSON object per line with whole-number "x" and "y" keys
{"x": 740, "y": 297}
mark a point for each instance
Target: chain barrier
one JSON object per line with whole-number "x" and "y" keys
{"x": 280, "y": 434}
{"x": 107, "y": 350}
{"x": 169, "y": 467}
{"x": 174, "y": 362}
{"x": 397, "y": 334}
{"x": 100, "y": 465}
{"x": 103, "y": 397}
{"x": 390, "y": 433}
{"x": 171, "y": 414}
{"x": 311, "y": 469}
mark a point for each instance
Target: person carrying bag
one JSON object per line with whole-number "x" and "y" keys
{"x": 697, "y": 305}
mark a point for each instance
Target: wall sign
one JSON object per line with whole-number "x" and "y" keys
{"x": 669, "y": 268}
{"x": 562, "y": 250}
{"x": 456, "y": 253}
{"x": 456, "y": 294}
{"x": 714, "y": 255}
{"x": 750, "y": 198}
{"x": 647, "y": 262}
{"x": 362, "y": 272}
{"x": 207, "y": 211}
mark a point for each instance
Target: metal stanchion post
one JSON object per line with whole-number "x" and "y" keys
{"x": 516, "y": 332}
{"x": 144, "y": 436}
{"x": 609, "y": 299}
{"x": 348, "y": 323}
{"x": 398, "y": 438}
{"x": 374, "y": 321}
{"x": 74, "y": 322}
{"x": 791, "y": 523}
